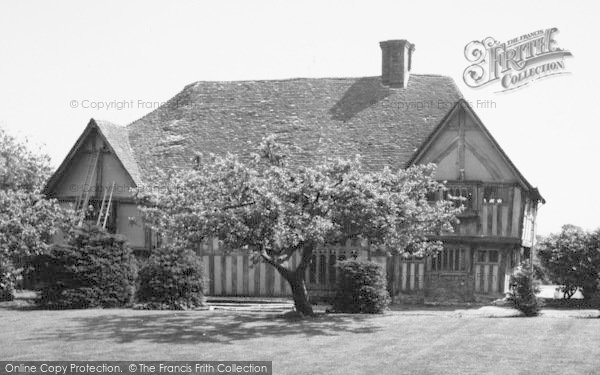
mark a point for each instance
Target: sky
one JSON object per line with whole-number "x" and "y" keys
{"x": 64, "y": 62}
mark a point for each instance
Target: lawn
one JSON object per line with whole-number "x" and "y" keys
{"x": 399, "y": 342}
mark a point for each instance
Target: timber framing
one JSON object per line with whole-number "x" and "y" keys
{"x": 460, "y": 109}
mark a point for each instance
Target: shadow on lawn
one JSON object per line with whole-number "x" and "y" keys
{"x": 19, "y": 304}
{"x": 189, "y": 328}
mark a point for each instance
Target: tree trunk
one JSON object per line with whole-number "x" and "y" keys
{"x": 300, "y": 294}
{"x": 296, "y": 279}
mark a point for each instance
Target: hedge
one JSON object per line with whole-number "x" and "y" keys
{"x": 96, "y": 269}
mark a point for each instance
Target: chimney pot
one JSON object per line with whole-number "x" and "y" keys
{"x": 396, "y": 56}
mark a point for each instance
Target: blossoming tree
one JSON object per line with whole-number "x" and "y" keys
{"x": 274, "y": 208}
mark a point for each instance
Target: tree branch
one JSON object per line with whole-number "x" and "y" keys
{"x": 317, "y": 197}
{"x": 338, "y": 183}
{"x": 282, "y": 270}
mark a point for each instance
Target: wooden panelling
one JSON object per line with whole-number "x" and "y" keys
{"x": 404, "y": 275}
{"x": 495, "y": 220}
{"x": 516, "y": 216}
{"x": 504, "y": 221}
{"x": 234, "y": 274}
{"x": 484, "y": 220}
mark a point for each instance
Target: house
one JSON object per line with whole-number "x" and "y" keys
{"x": 397, "y": 119}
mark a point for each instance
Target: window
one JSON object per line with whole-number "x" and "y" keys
{"x": 432, "y": 196}
{"x": 322, "y": 268}
{"x": 463, "y": 195}
{"x": 312, "y": 274}
{"x": 487, "y": 256}
{"x": 449, "y": 260}
{"x": 436, "y": 195}
{"x": 495, "y": 194}
{"x": 332, "y": 268}
{"x": 152, "y": 238}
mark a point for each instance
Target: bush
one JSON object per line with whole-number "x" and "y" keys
{"x": 523, "y": 288}
{"x": 361, "y": 288}
{"x": 572, "y": 259}
{"x": 96, "y": 269}
{"x": 172, "y": 279}
{"x": 7, "y": 280}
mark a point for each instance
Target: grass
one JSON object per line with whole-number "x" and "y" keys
{"x": 413, "y": 341}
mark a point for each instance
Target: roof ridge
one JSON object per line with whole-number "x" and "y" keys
{"x": 98, "y": 121}
{"x": 428, "y": 75}
{"x": 306, "y": 79}
{"x": 294, "y": 79}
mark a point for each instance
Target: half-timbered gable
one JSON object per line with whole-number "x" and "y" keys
{"x": 496, "y": 224}
{"x": 476, "y": 168}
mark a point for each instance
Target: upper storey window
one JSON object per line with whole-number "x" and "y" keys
{"x": 463, "y": 195}
{"x": 495, "y": 194}
{"x": 473, "y": 195}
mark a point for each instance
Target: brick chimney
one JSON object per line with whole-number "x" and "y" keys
{"x": 395, "y": 62}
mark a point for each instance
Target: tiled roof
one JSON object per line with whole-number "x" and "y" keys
{"x": 117, "y": 137}
{"x": 323, "y": 117}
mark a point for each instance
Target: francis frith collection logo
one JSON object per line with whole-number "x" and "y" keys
{"x": 515, "y": 63}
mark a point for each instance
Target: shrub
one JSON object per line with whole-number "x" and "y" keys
{"x": 172, "y": 279}
{"x": 361, "y": 288}
{"x": 572, "y": 259}
{"x": 96, "y": 269}
{"x": 7, "y": 280}
{"x": 523, "y": 288}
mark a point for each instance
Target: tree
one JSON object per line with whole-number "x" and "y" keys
{"x": 20, "y": 168}
{"x": 28, "y": 220}
{"x": 275, "y": 209}
{"x": 572, "y": 259}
